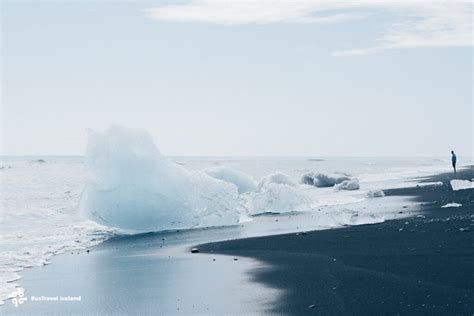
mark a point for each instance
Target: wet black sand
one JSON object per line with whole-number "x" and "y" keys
{"x": 421, "y": 265}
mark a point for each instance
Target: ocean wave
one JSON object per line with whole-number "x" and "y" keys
{"x": 40, "y": 246}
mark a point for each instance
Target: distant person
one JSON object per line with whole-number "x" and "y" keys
{"x": 453, "y": 160}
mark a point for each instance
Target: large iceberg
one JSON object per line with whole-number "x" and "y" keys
{"x": 132, "y": 186}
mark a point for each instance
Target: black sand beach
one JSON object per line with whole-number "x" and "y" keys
{"x": 418, "y": 265}
{"x": 422, "y": 265}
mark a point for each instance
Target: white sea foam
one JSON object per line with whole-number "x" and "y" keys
{"x": 429, "y": 184}
{"x": 461, "y": 185}
{"x": 39, "y": 217}
{"x": 242, "y": 181}
{"x": 451, "y": 205}
{"x": 132, "y": 186}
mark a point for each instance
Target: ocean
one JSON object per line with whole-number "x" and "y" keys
{"x": 43, "y": 200}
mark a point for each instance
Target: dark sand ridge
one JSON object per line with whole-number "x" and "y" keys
{"x": 421, "y": 265}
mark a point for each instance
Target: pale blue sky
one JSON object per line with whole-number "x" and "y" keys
{"x": 265, "y": 80}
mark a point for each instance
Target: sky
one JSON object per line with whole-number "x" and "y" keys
{"x": 240, "y": 78}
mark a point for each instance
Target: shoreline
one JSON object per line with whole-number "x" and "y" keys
{"x": 130, "y": 272}
{"x": 416, "y": 265}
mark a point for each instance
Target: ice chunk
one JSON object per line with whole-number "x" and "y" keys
{"x": 277, "y": 178}
{"x": 375, "y": 193}
{"x": 242, "y": 181}
{"x": 277, "y": 193}
{"x": 278, "y": 198}
{"x": 132, "y": 186}
{"x": 321, "y": 180}
{"x": 461, "y": 185}
{"x": 350, "y": 185}
{"x": 451, "y": 205}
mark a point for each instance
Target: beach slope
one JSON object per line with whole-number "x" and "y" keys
{"x": 418, "y": 265}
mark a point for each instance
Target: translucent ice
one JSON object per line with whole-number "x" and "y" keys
{"x": 276, "y": 178}
{"x": 133, "y": 187}
{"x": 322, "y": 180}
{"x": 350, "y": 185}
{"x": 277, "y": 193}
{"x": 375, "y": 193}
{"x": 242, "y": 181}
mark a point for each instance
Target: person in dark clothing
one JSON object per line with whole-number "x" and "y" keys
{"x": 453, "y": 160}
